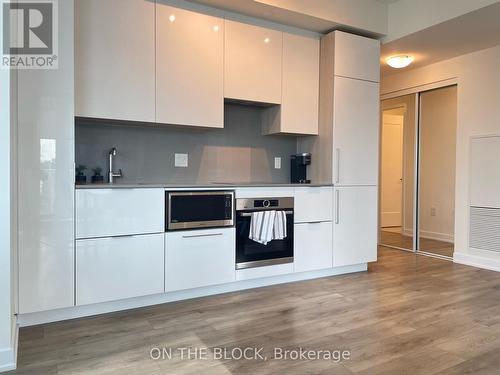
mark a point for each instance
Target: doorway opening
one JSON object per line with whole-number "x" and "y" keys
{"x": 417, "y": 174}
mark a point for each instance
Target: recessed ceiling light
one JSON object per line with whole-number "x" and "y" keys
{"x": 172, "y": 18}
{"x": 216, "y": 28}
{"x": 266, "y": 40}
{"x": 399, "y": 61}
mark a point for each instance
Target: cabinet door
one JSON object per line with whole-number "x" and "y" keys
{"x": 300, "y": 87}
{"x": 357, "y": 57}
{"x": 117, "y": 212}
{"x": 313, "y": 246}
{"x": 252, "y": 63}
{"x": 313, "y": 204}
{"x": 115, "y": 59}
{"x": 355, "y": 225}
{"x": 199, "y": 258}
{"x": 355, "y": 132}
{"x": 189, "y": 67}
{"x": 115, "y": 268}
{"x": 45, "y": 184}
{"x": 485, "y": 172}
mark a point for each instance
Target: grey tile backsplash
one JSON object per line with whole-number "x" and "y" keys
{"x": 237, "y": 153}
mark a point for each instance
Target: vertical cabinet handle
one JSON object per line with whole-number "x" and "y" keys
{"x": 337, "y": 206}
{"x": 337, "y": 165}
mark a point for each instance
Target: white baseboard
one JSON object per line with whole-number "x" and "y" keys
{"x": 8, "y": 356}
{"x": 156, "y": 299}
{"x": 445, "y": 237}
{"x": 390, "y": 219}
{"x": 7, "y": 359}
{"x": 431, "y": 235}
{"x": 477, "y": 261}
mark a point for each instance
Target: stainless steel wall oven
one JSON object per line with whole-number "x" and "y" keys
{"x": 253, "y": 254}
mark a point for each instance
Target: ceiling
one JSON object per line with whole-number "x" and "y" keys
{"x": 471, "y": 32}
{"x": 320, "y": 16}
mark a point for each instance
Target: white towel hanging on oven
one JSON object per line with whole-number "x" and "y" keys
{"x": 262, "y": 226}
{"x": 279, "y": 231}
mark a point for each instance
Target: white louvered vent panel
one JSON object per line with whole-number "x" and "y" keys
{"x": 485, "y": 228}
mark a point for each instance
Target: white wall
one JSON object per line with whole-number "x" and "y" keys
{"x": 7, "y": 332}
{"x": 409, "y": 16}
{"x": 478, "y": 98}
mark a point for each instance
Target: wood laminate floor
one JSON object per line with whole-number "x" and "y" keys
{"x": 408, "y": 315}
{"x": 392, "y": 237}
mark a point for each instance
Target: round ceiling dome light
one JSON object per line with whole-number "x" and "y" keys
{"x": 399, "y": 61}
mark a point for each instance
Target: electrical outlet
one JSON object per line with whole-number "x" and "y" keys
{"x": 181, "y": 160}
{"x": 277, "y": 163}
{"x": 433, "y": 211}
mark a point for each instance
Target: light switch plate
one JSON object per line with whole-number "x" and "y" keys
{"x": 181, "y": 160}
{"x": 277, "y": 163}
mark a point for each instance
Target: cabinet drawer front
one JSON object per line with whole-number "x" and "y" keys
{"x": 116, "y": 212}
{"x": 313, "y": 204}
{"x": 313, "y": 246}
{"x": 114, "y": 268}
{"x": 199, "y": 258}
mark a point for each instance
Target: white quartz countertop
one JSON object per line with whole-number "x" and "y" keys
{"x": 213, "y": 185}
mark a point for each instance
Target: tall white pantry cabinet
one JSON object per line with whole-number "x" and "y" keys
{"x": 346, "y": 150}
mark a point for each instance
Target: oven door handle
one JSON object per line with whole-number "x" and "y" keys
{"x": 247, "y": 214}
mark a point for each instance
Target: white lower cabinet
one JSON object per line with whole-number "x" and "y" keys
{"x": 117, "y": 212}
{"x": 199, "y": 258}
{"x": 355, "y": 225}
{"x": 115, "y": 268}
{"x": 313, "y": 246}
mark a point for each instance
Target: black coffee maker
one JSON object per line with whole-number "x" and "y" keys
{"x": 299, "y": 168}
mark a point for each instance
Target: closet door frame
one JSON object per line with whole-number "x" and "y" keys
{"x": 417, "y": 91}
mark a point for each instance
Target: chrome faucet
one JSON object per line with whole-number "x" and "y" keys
{"x": 112, "y": 175}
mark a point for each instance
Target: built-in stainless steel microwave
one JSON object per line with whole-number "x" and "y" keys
{"x": 198, "y": 209}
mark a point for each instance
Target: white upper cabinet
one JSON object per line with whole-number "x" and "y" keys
{"x": 189, "y": 68}
{"x": 355, "y": 132}
{"x": 115, "y": 59}
{"x": 300, "y": 88}
{"x": 252, "y": 63}
{"x": 356, "y": 57}
{"x": 485, "y": 172}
